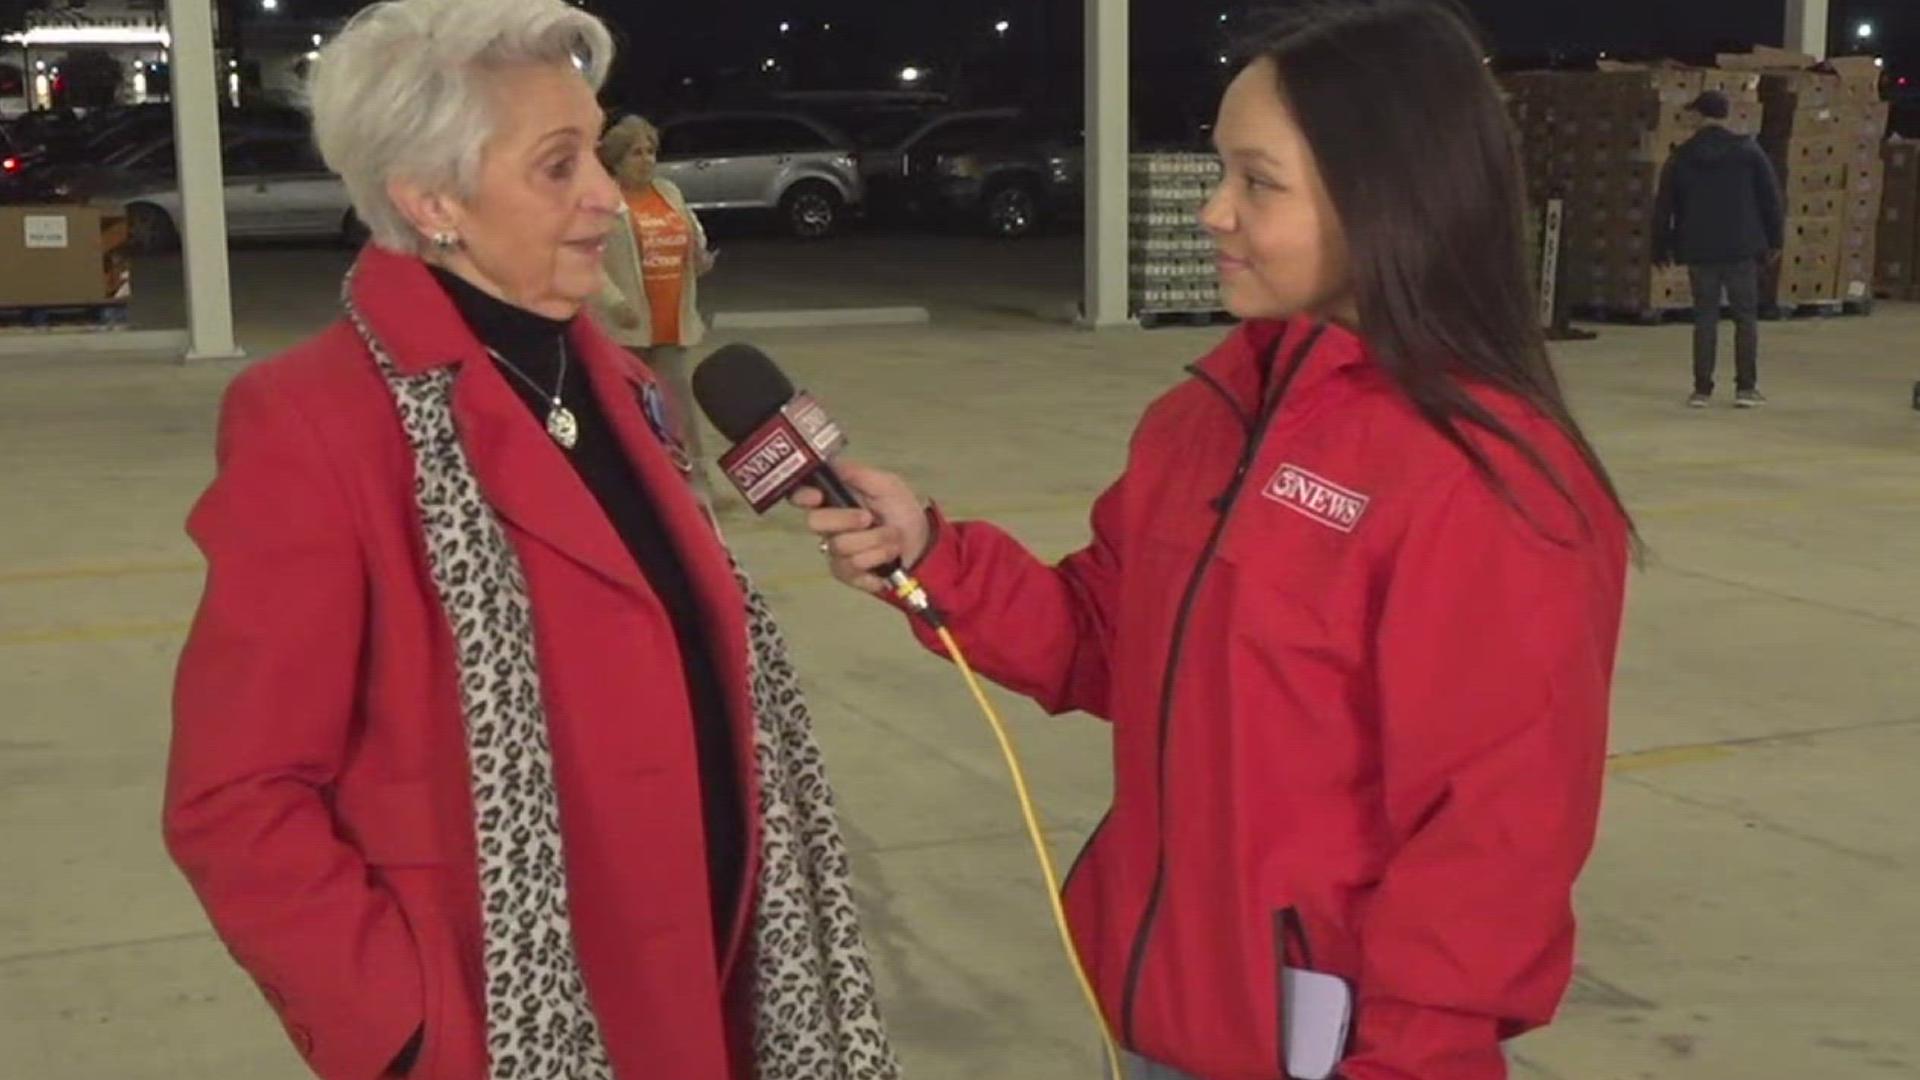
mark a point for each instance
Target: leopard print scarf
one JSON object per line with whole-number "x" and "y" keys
{"x": 816, "y": 1015}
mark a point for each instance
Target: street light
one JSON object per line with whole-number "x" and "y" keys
{"x": 911, "y": 74}
{"x": 1002, "y": 27}
{"x": 270, "y": 5}
{"x": 786, "y": 28}
{"x": 1864, "y": 31}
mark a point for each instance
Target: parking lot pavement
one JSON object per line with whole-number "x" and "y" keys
{"x": 282, "y": 292}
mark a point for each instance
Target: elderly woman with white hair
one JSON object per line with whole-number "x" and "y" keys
{"x": 488, "y": 764}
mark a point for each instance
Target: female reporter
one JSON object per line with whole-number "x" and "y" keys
{"x": 487, "y": 764}
{"x": 1352, "y": 608}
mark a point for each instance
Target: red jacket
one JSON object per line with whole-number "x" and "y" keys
{"x": 318, "y": 792}
{"x": 1368, "y": 697}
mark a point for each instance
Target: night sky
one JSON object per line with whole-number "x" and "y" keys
{"x": 1176, "y": 42}
{"x": 1525, "y": 26}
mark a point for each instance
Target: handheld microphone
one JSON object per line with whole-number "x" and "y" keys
{"x": 782, "y": 441}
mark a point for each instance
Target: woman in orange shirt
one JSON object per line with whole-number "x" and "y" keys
{"x": 653, "y": 267}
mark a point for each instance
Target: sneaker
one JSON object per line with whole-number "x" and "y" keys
{"x": 1699, "y": 401}
{"x": 1749, "y": 399}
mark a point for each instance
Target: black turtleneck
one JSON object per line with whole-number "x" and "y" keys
{"x": 532, "y": 344}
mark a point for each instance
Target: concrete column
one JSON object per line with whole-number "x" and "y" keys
{"x": 197, "y": 86}
{"x": 1807, "y": 26}
{"x": 1108, "y": 109}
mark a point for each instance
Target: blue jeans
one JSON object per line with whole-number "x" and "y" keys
{"x": 1740, "y": 283}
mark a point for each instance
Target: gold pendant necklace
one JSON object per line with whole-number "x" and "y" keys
{"x": 562, "y": 426}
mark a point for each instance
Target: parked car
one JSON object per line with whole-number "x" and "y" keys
{"x": 785, "y": 162}
{"x": 53, "y": 140}
{"x": 1011, "y": 184}
{"x": 895, "y": 156}
{"x": 143, "y": 154}
{"x": 14, "y": 98}
{"x": 276, "y": 187}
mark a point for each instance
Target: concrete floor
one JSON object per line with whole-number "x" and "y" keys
{"x": 1748, "y": 915}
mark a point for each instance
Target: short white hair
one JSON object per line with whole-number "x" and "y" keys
{"x": 400, "y": 93}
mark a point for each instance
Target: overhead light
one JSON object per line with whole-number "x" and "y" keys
{"x": 45, "y": 36}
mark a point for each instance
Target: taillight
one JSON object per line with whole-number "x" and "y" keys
{"x": 11, "y": 164}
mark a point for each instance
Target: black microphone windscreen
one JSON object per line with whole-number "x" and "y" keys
{"x": 740, "y": 388}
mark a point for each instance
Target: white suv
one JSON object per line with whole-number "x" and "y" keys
{"x": 787, "y": 162}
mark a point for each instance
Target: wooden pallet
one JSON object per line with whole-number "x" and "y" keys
{"x": 1825, "y": 309}
{"x": 1631, "y": 316}
{"x": 1154, "y": 320}
{"x": 1822, "y": 309}
{"x": 65, "y": 316}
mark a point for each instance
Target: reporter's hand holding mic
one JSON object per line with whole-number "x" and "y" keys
{"x": 893, "y": 528}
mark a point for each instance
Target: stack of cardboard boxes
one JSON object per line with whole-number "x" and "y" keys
{"x": 1173, "y": 265}
{"x": 1823, "y": 131}
{"x": 1599, "y": 140}
{"x": 1899, "y": 233}
{"x": 61, "y": 257}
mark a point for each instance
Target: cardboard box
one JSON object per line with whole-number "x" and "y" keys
{"x": 1739, "y": 86}
{"x": 1765, "y": 58}
{"x": 1859, "y": 76}
{"x": 1860, "y": 211}
{"x": 1824, "y": 204}
{"x": 1866, "y": 181}
{"x": 1803, "y": 181}
{"x": 1893, "y": 272}
{"x": 1902, "y": 157}
{"x": 58, "y": 256}
{"x": 1866, "y": 120}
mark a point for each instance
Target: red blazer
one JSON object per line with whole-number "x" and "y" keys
{"x": 317, "y": 795}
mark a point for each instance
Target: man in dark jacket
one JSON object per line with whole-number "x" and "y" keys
{"x": 1720, "y": 212}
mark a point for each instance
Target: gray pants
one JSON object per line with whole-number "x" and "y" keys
{"x": 674, "y": 368}
{"x": 1740, "y": 283}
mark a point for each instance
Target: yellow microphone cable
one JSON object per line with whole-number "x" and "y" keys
{"x": 914, "y": 596}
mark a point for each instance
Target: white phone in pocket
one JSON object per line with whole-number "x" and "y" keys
{"x": 1317, "y": 1018}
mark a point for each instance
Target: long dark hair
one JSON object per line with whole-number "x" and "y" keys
{"x": 1422, "y": 164}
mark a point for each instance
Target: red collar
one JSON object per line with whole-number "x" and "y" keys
{"x": 1238, "y": 364}
{"x": 413, "y": 318}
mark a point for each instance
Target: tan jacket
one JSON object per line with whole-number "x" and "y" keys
{"x": 626, "y": 284}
